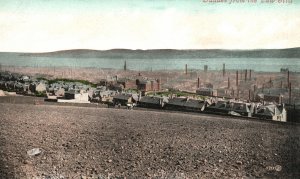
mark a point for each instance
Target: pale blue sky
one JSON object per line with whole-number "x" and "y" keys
{"x": 47, "y": 25}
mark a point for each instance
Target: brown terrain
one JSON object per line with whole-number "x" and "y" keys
{"x": 91, "y": 142}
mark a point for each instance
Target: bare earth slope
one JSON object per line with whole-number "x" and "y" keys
{"x": 79, "y": 142}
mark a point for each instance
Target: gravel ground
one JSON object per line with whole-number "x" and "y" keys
{"x": 81, "y": 142}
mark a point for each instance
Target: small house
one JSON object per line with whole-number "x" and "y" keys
{"x": 271, "y": 112}
{"x": 242, "y": 109}
{"x": 75, "y": 96}
{"x": 152, "y": 102}
{"x": 123, "y": 99}
{"x": 127, "y": 83}
{"x": 206, "y": 92}
{"x": 148, "y": 85}
{"x": 176, "y": 104}
{"x": 194, "y": 105}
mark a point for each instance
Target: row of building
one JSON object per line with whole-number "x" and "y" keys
{"x": 266, "y": 111}
{"x": 112, "y": 92}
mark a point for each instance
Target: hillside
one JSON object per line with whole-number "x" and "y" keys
{"x": 171, "y": 53}
{"x": 80, "y": 142}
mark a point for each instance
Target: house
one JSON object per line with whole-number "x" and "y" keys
{"x": 26, "y": 87}
{"x": 176, "y": 104}
{"x": 71, "y": 94}
{"x": 194, "y": 105}
{"x": 2, "y": 85}
{"x": 123, "y": 99}
{"x": 60, "y": 92}
{"x": 75, "y": 96}
{"x": 107, "y": 82}
{"x": 117, "y": 87}
{"x": 32, "y": 87}
{"x": 127, "y": 83}
{"x": 225, "y": 92}
{"x": 242, "y": 109}
{"x": 273, "y": 98}
{"x": 107, "y": 96}
{"x": 148, "y": 85}
{"x": 222, "y": 107}
{"x": 269, "y": 98}
{"x": 153, "y": 102}
{"x": 25, "y": 78}
{"x": 41, "y": 87}
{"x": 185, "y": 104}
{"x": 206, "y": 92}
{"x": 19, "y": 87}
{"x": 271, "y": 94}
{"x": 271, "y": 112}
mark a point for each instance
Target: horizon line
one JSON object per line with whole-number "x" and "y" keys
{"x": 152, "y": 49}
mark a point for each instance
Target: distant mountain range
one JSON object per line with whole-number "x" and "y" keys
{"x": 171, "y": 53}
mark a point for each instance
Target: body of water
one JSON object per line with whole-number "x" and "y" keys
{"x": 257, "y": 64}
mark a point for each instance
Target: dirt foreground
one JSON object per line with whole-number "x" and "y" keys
{"x": 81, "y": 142}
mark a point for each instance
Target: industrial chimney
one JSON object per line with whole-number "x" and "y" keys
{"x": 125, "y": 66}
{"x": 228, "y": 83}
{"x": 237, "y": 78}
{"x": 186, "y": 69}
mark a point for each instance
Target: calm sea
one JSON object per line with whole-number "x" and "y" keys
{"x": 257, "y": 64}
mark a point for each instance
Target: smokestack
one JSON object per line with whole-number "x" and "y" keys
{"x": 228, "y": 83}
{"x": 125, "y": 66}
{"x": 223, "y": 69}
{"x": 237, "y": 78}
{"x": 290, "y": 93}
{"x": 198, "y": 84}
{"x": 246, "y": 74}
{"x": 288, "y": 77}
{"x": 186, "y": 69}
{"x": 249, "y": 94}
{"x": 250, "y": 73}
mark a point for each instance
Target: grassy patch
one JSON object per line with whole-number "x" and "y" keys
{"x": 85, "y": 82}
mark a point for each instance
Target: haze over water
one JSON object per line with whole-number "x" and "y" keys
{"x": 257, "y": 64}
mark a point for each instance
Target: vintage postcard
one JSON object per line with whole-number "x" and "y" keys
{"x": 149, "y": 89}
